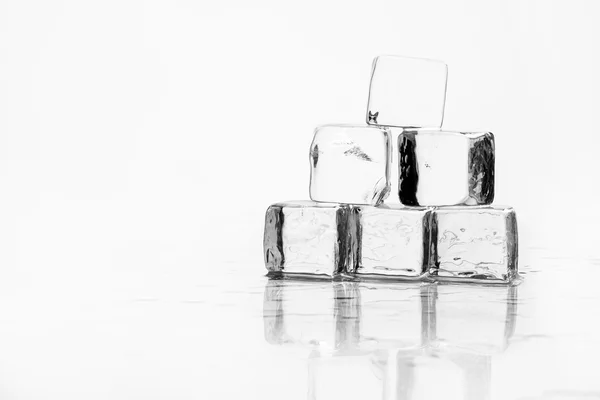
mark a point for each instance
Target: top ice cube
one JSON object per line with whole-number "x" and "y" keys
{"x": 407, "y": 92}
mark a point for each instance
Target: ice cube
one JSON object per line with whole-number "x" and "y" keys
{"x": 393, "y": 241}
{"x": 307, "y": 238}
{"x": 479, "y": 242}
{"x": 407, "y": 92}
{"x": 442, "y": 168}
{"x": 350, "y": 164}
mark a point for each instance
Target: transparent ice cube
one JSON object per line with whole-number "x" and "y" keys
{"x": 442, "y": 168}
{"x": 393, "y": 241}
{"x": 479, "y": 242}
{"x": 407, "y": 92}
{"x": 350, "y": 164}
{"x": 307, "y": 238}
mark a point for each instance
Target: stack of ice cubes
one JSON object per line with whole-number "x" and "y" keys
{"x": 445, "y": 227}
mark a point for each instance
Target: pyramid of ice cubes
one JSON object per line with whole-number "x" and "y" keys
{"x": 445, "y": 228}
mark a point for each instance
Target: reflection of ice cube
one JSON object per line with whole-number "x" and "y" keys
{"x": 394, "y": 241}
{"x": 479, "y": 320}
{"x": 323, "y": 315}
{"x": 348, "y": 317}
{"x": 391, "y": 341}
{"x": 392, "y": 315}
{"x": 362, "y": 317}
{"x": 304, "y": 237}
{"x": 441, "y": 168}
{"x": 350, "y": 164}
{"x": 477, "y": 242}
{"x": 456, "y": 376}
{"x": 297, "y": 312}
{"x": 348, "y": 376}
{"x": 407, "y": 92}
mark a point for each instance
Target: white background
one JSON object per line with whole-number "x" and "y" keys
{"x": 141, "y": 141}
{"x": 134, "y": 126}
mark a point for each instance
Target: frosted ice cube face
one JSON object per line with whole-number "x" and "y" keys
{"x": 477, "y": 243}
{"x": 407, "y": 92}
{"x": 304, "y": 237}
{"x": 442, "y": 168}
{"x": 350, "y": 164}
{"x": 394, "y": 241}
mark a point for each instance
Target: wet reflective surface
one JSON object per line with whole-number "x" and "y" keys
{"x": 393, "y": 341}
{"x": 172, "y": 334}
{"x": 424, "y": 341}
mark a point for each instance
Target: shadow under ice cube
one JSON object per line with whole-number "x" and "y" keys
{"x": 478, "y": 242}
{"x": 442, "y": 168}
{"x": 307, "y": 238}
{"x": 350, "y": 164}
